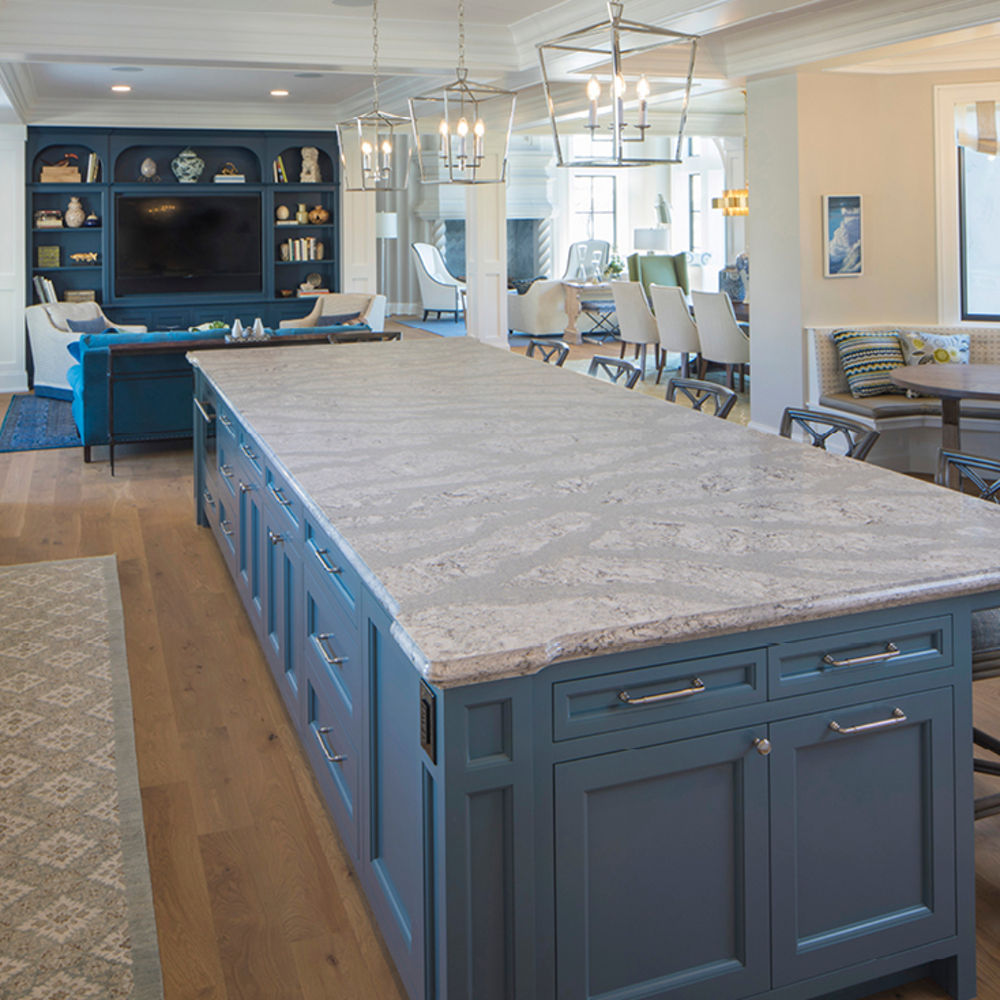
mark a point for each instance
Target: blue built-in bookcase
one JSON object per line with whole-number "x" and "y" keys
{"x": 119, "y": 154}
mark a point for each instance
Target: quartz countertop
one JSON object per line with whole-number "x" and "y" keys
{"x": 511, "y": 514}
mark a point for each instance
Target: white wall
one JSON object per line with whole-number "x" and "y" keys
{"x": 12, "y": 264}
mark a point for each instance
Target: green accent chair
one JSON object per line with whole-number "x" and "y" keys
{"x": 659, "y": 269}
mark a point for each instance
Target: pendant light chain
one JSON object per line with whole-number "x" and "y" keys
{"x": 461, "y": 35}
{"x": 375, "y": 50}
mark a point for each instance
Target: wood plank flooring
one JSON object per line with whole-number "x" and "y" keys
{"x": 254, "y": 897}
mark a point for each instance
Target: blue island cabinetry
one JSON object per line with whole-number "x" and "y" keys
{"x": 784, "y": 813}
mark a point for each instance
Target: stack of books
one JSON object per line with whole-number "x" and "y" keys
{"x": 48, "y": 218}
{"x": 280, "y": 177}
{"x": 304, "y": 248}
{"x": 93, "y": 168}
{"x": 44, "y": 289}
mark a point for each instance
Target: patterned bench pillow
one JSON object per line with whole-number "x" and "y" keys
{"x": 867, "y": 358}
{"x": 934, "y": 348}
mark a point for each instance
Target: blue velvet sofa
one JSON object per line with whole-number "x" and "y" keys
{"x": 152, "y": 392}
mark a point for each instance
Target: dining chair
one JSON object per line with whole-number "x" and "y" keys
{"x": 980, "y": 477}
{"x": 722, "y": 339}
{"x": 615, "y": 369}
{"x": 555, "y": 351}
{"x": 698, "y": 393}
{"x": 635, "y": 322}
{"x": 676, "y": 328}
{"x": 819, "y": 428}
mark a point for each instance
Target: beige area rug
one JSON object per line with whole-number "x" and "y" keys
{"x": 76, "y": 910}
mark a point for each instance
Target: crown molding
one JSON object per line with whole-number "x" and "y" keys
{"x": 17, "y": 84}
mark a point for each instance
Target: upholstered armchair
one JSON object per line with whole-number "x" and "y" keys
{"x": 540, "y": 311}
{"x": 581, "y": 259}
{"x": 343, "y": 307}
{"x": 660, "y": 269}
{"x": 49, "y": 335}
{"x": 440, "y": 290}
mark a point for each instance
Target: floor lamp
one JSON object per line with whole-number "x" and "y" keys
{"x": 386, "y": 228}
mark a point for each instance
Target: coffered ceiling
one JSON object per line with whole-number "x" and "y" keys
{"x": 208, "y": 63}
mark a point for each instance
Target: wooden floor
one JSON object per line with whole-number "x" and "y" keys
{"x": 254, "y": 897}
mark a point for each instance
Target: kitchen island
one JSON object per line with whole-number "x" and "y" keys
{"x": 607, "y": 698}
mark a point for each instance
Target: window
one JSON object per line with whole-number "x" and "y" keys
{"x": 595, "y": 207}
{"x": 979, "y": 222}
{"x": 694, "y": 212}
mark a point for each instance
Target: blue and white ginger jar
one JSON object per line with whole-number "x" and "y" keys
{"x": 187, "y": 166}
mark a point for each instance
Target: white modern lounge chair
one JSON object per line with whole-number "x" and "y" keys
{"x": 440, "y": 290}
{"x": 581, "y": 259}
{"x": 540, "y": 311}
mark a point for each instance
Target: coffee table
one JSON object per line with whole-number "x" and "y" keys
{"x": 952, "y": 383}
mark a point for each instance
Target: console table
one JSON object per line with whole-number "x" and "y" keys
{"x": 701, "y": 732}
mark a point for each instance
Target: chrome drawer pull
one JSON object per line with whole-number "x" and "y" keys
{"x": 273, "y": 538}
{"x": 898, "y": 716}
{"x": 321, "y": 640}
{"x": 891, "y": 651}
{"x": 277, "y": 494}
{"x": 226, "y": 470}
{"x": 225, "y": 421}
{"x": 227, "y": 528}
{"x": 246, "y": 487}
{"x": 697, "y": 686}
{"x": 209, "y": 499}
{"x": 332, "y": 757}
{"x": 327, "y": 565}
{"x": 206, "y": 416}
{"x": 248, "y": 452}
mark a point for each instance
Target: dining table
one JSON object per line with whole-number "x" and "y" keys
{"x": 951, "y": 384}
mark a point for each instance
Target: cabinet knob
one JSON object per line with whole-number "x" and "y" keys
{"x": 762, "y": 746}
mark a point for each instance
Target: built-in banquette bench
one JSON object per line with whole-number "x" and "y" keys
{"x": 910, "y": 428}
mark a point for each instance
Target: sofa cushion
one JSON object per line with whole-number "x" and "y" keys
{"x": 867, "y": 358}
{"x": 95, "y": 325}
{"x": 877, "y": 407}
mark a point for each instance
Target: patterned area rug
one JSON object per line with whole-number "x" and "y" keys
{"x": 36, "y": 422}
{"x": 76, "y": 912}
{"x": 442, "y": 327}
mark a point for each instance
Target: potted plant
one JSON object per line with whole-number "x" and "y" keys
{"x": 615, "y": 267}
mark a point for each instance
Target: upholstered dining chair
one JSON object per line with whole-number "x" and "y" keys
{"x": 550, "y": 351}
{"x": 819, "y": 428}
{"x": 615, "y": 370}
{"x": 675, "y": 326}
{"x": 440, "y": 290}
{"x": 982, "y": 475}
{"x": 699, "y": 394}
{"x": 581, "y": 259}
{"x": 635, "y": 322}
{"x": 722, "y": 339}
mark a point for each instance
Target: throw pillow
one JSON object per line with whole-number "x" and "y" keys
{"x": 867, "y": 358}
{"x": 934, "y": 348}
{"x": 96, "y": 325}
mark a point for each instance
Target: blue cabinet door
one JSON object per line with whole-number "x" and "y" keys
{"x": 249, "y": 552}
{"x": 281, "y": 567}
{"x": 862, "y": 833}
{"x": 661, "y": 872}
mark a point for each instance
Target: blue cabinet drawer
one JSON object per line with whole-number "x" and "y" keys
{"x": 226, "y": 422}
{"x": 220, "y": 516}
{"x": 330, "y": 564}
{"x": 334, "y": 761}
{"x": 333, "y": 652}
{"x": 841, "y": 659}
{"x": 658, "y": 693}
{"x": 252, "y": 453}
{"x": 283, "y": 499}
{"x": 227, "y": 463}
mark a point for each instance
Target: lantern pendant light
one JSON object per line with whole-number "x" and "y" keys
{"x": 462, "y": 133}
{"x": 370, "y": 155}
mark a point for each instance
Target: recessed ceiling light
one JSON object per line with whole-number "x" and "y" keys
{"x": 307, "y": 76}
{"x": 121, "y": 88}
{"x": 279, "y": 93}
{"x": 126, "y": 69}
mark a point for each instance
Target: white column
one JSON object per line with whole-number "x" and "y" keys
{"x": 486, "y": 263}
{"x": 358, "y": 258}
{"x": 13, "y": 376}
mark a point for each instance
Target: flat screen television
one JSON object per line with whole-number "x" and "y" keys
{"x": 187, "y": 243}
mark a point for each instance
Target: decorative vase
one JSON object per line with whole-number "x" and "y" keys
{"x": 74, "y": 215}
{"x": 92, "y": 221}
{"x": 187, "y": 166}
{"x": 318, "y": 215}
{"x": 302, "y": 215}
{"x": 282, "y": 213}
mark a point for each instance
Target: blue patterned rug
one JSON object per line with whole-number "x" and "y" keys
{"x": 442, "y": 327}
{"x": 36, "y": 422}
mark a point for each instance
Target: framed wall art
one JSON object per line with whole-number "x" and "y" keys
{"x": 842, "y": 249}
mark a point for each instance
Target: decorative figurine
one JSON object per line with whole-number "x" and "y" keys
{"x": 187, "y": 166}
{"x": 310, "y": 166}
{"x": 319, "y": 215}
{"x": 74, "y": 214}
{"x": 147, "y": 170}
{"x": 282, "y": 213}
{"x": 84, "y": 257}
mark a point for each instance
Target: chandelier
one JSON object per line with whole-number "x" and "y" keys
{"x": 614, "y": 104}
{"x": 462, "y": 133}
{"x": 370, "y": 155}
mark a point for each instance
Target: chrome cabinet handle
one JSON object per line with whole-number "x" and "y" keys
{"x": 248, "y": 452}
{"x": 225, "y": 421}
{"x": 327, "y": 565}
{"x": 278, "y": 495}
{"x": 206, "y": 416}
{"x": 762, "y": 746}
{"x": 227, "y": 528}
{"x": 697, "y": 686}
{"x": 226, "y": 470}
{"x": 246, "y": 487}
{"x": 332, "y": 756}
{"x": 898, "y": 716}
{"x": 209, "y": 499}
{"x": 273, "y": 538}
{"x": 321, "y": 640}
{"x": 891, "y": 651}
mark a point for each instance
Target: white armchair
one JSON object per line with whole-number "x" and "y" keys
{"x": 49, "y": 335}
{"x": 440, "y": 290}
{"x": 581, "y": 259}
{"x": 367, "y": 308}
{"x": 540, "y": 311}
